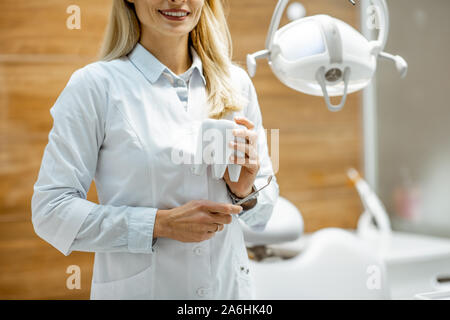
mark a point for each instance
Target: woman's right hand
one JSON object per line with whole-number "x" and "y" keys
{"x": 194, "y": 221}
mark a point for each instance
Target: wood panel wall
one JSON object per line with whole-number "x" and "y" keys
{"x": 37, "y": 56}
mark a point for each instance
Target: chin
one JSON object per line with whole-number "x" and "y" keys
{"x": 177, "y": 32}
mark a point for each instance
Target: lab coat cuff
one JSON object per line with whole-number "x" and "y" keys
{"x": 251, "y": 218}
{"x": 140, "y": 232}
{"x": 70, "y": 226}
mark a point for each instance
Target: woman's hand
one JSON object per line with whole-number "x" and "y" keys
{"x": 195, "y": 221}
{"x": 250, "y": 163}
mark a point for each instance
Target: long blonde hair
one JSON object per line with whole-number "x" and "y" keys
{"x": 210, "y": 38}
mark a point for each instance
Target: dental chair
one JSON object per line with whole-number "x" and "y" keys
{"x": 333, "y": 264}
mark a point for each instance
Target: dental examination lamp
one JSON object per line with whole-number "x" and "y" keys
{"x": 323, "y": 56}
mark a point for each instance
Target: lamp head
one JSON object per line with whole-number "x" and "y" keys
{"x": 323, "y": 56}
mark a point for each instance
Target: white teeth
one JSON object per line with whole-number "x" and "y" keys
{"x": 175, "y": 14}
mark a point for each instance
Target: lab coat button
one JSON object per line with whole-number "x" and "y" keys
{"x": 198, "y": 251}
{"x": 201, "y": 292}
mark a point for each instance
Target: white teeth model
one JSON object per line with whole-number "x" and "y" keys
{"x": 175, "y": 14}
{"x": 213, "y": 141}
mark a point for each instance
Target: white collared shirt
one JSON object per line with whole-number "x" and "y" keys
{"x": 116, "y": 122}
{"x": 181, "y": 82}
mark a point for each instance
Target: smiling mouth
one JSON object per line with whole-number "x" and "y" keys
{"x": 174, "y": 15}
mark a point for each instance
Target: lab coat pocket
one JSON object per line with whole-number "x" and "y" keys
{"x": 243, "y": 277}
{"x": 137, "y": 287}
{"x": 241, "y": 265}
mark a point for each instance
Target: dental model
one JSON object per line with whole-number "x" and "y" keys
{"x": 213, "y": 148}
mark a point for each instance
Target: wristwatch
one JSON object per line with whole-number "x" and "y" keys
{"x": 247, "y": 205}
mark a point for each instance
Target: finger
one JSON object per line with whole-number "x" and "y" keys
{"x": 244, "y": 121}
{"x": 249, "y": 135}
{"x": 214, "y": 227}
{"x": 251, "y": 163}
{"x": 208, "y": 235}
{"x": 250, "y": 154}
{"x": 248, "y": 150}
{"x": 220, "y": 207}
{"x": 221, "y": 218}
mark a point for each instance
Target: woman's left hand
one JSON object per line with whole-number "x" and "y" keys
{"x": 250, "y": 163}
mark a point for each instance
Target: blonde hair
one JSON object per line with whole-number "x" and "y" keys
{"x": 210, "y": 38}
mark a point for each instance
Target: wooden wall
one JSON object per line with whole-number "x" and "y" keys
{"x": 37, "y": 56}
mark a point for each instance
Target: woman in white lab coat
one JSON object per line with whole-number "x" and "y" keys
{"x": 159, "y": 231}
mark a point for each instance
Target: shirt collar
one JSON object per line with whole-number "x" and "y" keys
{"x": 152, "y": 68}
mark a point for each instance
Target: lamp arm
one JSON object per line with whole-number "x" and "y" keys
{"x": 275, "y": 22}
{"x": 381, "y": 10}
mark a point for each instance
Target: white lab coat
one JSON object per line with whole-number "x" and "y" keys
{"x": 117, "y": 122}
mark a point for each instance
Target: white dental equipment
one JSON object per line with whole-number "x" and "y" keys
{"x": 372, "y": 204}
{"x": 323, "y": 56}
{"x": 340, "y": 264}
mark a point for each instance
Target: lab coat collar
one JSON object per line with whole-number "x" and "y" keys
{"x": 152, "y": 68}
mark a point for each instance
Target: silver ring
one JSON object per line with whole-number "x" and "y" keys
{"x": 217, "y": 228}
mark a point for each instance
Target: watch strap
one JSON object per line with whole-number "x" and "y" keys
{"x": 247, "y": 205}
